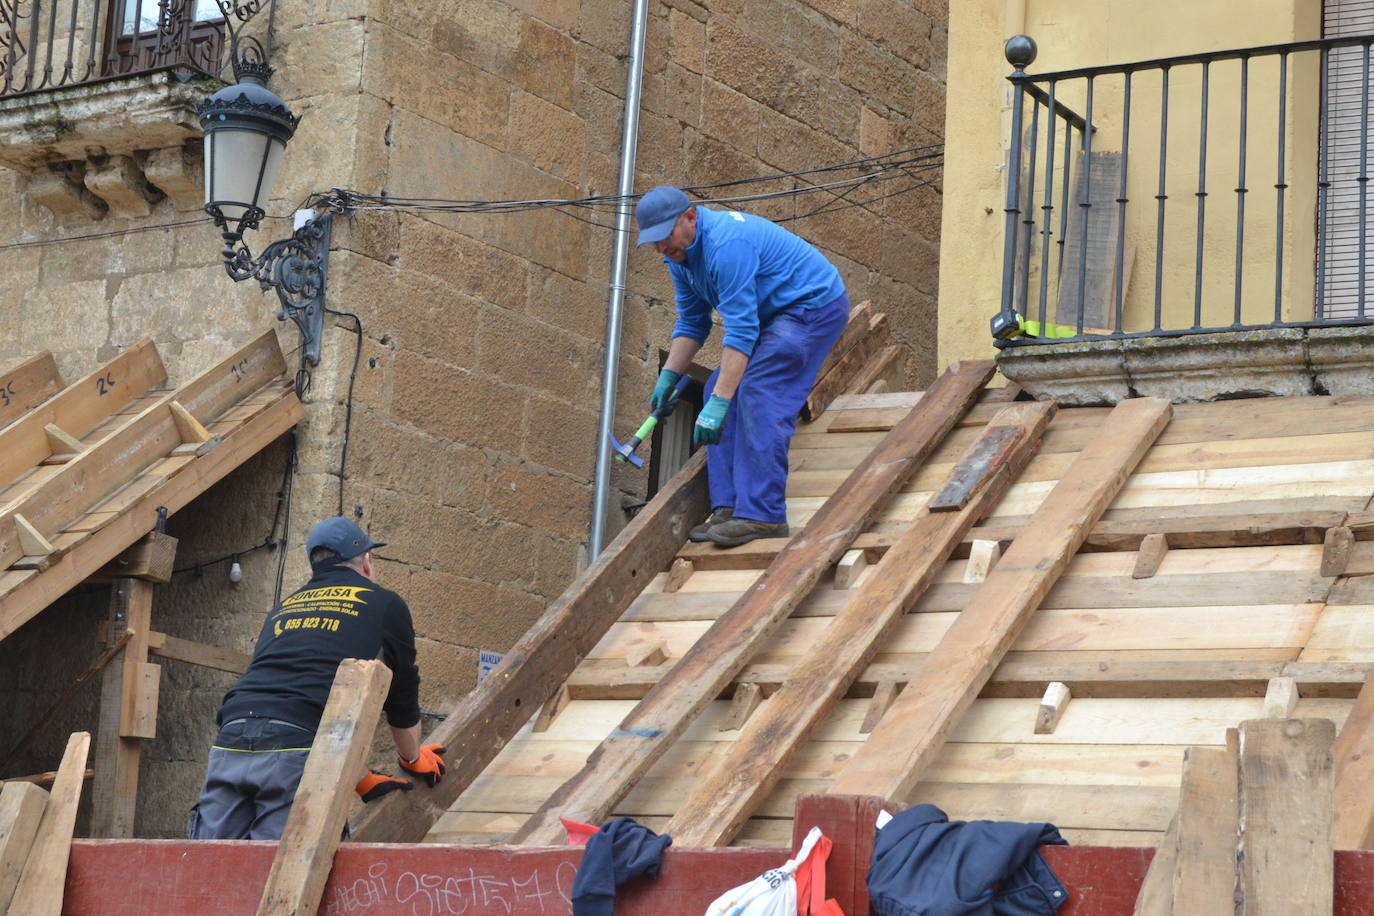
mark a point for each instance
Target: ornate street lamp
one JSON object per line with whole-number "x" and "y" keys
{"x": 246, "y": 129}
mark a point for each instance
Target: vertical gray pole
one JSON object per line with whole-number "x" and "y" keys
{"x": 601, "y": 484}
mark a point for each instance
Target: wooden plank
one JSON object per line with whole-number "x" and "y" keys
{"x": 854, "y": 330}
{"x": 27, "y": 385}
{"x": 1153, "y": 547}
{"x": 890, "y": 762}
{"x": 541, "y": 660}
{"x": 138, "y": 713}
{"x": 714, "y": 660}
{"x": 41, "y": 884}
{"x": 195, "y": 653}
{"x": 80, "y": 408}
{"x": 296, "y": 882}
{"x": 742, "y": 778}
{"x": 1156, "y": 894}
{"x": 1286, "y": 776}
{"x": 836, "y": 379}
{"x": 876, "y": 371}
{"x": 1354, "y": 761}
{"x": 114, "y": 796}
{"x": 1052, "y": 707}
{"x": 21, "y": 809}
{"x": 83, "y": 482}
{"x": 21, "y": 600}
{"x": 1205, "y": 868}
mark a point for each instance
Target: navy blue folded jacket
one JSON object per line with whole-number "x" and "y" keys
{"x": 924, "y": 864}
{"x": 619, "y": 851}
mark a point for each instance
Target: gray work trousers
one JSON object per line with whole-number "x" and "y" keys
{"x": 255, "y": 766}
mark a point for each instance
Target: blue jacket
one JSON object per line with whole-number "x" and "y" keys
{"x": 749, "y": 269}
{"x": 924, "y": 864}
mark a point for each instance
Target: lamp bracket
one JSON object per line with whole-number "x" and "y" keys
{"x": 296, "y": 267}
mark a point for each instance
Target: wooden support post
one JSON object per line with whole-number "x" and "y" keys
{"x": 743, "y": 777}
{"x": 44, "y": 878}
{"x": 115, "y": 794}
{"x": 742, "y": 705}
{"x": 295, "y": 884}
{"x": 982, "y": 557}
{"x": 851, "y": 565}
{"x": 21, "y": 809}
{"x": 1285, "y": 866}
{"x": 1280, "y": 698}
{"x": 545, "y": 656}
{"x": 897, "y": 754}
{"x": 1052, "y": 706}
{"x": 1205, "y": 868}
{"x": 551, "y": 708}
{"x": 1354, "y": 755}
{"x": 711, "y": 664}
{"x": 678, "y": 574}
{"x": 1336, "y": 548}
{"x": 883, "y": 695}
{"x": 1153, "y": 547}
{"x": 647, "y": 655}
{"x": 31, "y": 542}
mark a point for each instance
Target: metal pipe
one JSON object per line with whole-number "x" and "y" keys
{"x": 634, "y": 78}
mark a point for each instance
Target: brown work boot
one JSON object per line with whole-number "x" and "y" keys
{"x": 721, "y": 514}
{"x": 739, "y": 531}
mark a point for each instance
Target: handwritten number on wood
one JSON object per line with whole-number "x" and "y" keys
{"x": 240, "y": 369}
{"x": 104, "y": 383}
{"x": 6, "y": 393}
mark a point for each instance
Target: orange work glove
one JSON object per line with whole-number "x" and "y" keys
{"x": 429, "y": 766}
{"x": 374, "y": 785}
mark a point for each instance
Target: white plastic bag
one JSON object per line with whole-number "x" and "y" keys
{"x": 773, "y": 893}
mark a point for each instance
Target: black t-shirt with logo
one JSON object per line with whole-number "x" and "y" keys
{"x": 338, "y": 614}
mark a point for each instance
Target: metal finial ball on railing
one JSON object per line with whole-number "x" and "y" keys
{"x": 1020, "y": 51}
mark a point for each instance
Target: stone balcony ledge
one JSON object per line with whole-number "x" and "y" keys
{"x": 1337, "y": 360}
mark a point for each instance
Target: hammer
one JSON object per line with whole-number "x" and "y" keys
{"x": 626, "y": 452}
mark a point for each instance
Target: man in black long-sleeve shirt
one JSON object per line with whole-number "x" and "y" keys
{"x": 268, "y": 719}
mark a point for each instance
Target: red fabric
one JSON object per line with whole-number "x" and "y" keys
{"x": 811, "y": 900}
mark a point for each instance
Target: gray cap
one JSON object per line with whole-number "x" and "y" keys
{"x": 341, "y": 535}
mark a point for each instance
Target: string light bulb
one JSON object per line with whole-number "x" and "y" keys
{"x": 235, "y": 571}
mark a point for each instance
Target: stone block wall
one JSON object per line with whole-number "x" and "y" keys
{"x": 472, "y": 435}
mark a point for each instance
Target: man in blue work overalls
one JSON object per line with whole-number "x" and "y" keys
{"x": 783, "y": 306}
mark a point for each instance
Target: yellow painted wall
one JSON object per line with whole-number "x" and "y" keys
{"x": 1073, "y": 33}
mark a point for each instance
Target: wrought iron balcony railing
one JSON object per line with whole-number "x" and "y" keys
{"x": 49, "y": 44}
{"x": 1281, "y": 130}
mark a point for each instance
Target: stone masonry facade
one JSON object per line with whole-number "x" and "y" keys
{"x": 472, "y": 436}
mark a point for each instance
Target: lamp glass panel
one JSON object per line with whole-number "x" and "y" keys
{"x": 235, "y": 176}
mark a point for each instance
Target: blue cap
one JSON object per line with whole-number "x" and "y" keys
{"x": 657, "y": 212}
{"x": 341, "y": 535}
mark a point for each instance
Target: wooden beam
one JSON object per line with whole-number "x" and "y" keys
{"x": 1052, "y": 706}
{"x": 900, "y": 749}
{"x": 44, "y": 877}
{"x": 27, "y": 385}
{"x": 152, "y": 558}
{"x": 114, "y": 796}
{"x": 20, "y": 601}
{"x": 678, "y": 574}
{"x": 714, "y": 812}
{"x": 122, "y": 455}
{"x": 195, "y": 653}
{"x": 1153, "y": 547}
{"x": 542, "y": 659}
{"x": 1285, "y": 810}
{"x": 1205, "y": 869}
{"x": 296, "y": 882}
{"x": 1156, "y": 894}
{"x": 712, "y": 663}
{"x": 1336, "y": 548}
{"x": 1354, "y": 793}
{"x": 21, "y": 809}
{"x": 850, "y": 567}
{"x": 79, "y": 408}
{"x": 1280, "y": 698}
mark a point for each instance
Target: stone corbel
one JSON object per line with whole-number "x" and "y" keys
{"x": 59, "y": 187}
{"x": 178, "y": 173}
{"x": 120, "y": 182}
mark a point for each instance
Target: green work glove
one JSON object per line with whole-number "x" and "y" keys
{"x": 707, "y": 430}
{"x": 664, "y": 389}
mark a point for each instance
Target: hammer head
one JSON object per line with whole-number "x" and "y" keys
{"x": 627, "y": 452}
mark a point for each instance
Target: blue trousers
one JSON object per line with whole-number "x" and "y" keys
{"x": 748, "y": 468}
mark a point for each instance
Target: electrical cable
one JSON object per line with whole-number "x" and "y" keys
{"x": 348, "y": 403}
